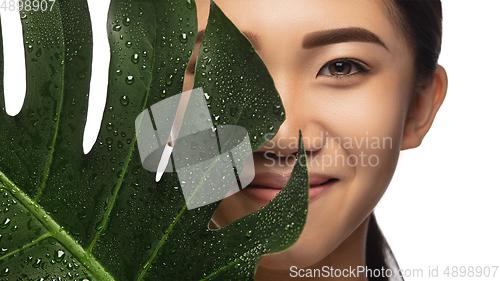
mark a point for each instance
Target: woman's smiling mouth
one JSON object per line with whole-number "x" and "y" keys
{"x": 266, "y": 186}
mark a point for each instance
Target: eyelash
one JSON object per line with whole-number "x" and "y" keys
{"x": 361, "y": 68}
{"x": 359, "y": 65}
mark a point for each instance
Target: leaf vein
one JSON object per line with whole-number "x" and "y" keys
{"x": 46, "y": 235}
{"x": 58, "y": 114}
{"x": 57, "y": 231}
{"x": 125, "y": 168}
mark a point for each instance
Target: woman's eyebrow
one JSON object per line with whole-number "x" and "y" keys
{"x": 252, "y": 37}
{"x": 333, "y": 36}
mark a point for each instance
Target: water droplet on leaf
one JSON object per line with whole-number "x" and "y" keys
{"x": 5, "y": 223}
{"x": 130, "y": 80}
{"x": 190, "y": 4}
{"x": 124, "y": 100}
{"x": 135, "y": 58}
{"x": 59, "y": 256}
{"x": 183, "y": 38}
{"x": 82, "y": 74}
{"x": 37, "y": 263}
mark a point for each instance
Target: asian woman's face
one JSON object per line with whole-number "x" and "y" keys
{"x": 344, "y": 73}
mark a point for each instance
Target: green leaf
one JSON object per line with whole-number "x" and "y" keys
{"x": 241, "y": 90}
{"x": 102, "y": 216}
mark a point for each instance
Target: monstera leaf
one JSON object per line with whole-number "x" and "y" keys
{"x": 102, "y": 216}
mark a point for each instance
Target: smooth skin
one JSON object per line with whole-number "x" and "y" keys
{"x": 369, "y": 96}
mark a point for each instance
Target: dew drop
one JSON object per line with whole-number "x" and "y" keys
{"x": 208, "y": 98}
{"x": 183, "y": 38}
{"x": 5, "y": 223}
{"x": 119, "y": 72}
{"x": 109, "y": 126}
{"x": 117, "y": 27}
{"x": 37, "y": 263}
{"x": 5, "y": 272}
{"x": 124, "y": 100}
{"x": 135, "y": 58}
{"x": 194, "y": 145}
{"x": 99, "y": 225}
{"x": 82, "y": 74}
{"x": 126, "y": 21}
{"x": 128, "y": 44}
{"x": 59, "y": 255}
{"x": 190, "y": 4}
{"x": 130, "y": 80}
{"x": 38, "y": 52}
{"x": 282, "y": 117}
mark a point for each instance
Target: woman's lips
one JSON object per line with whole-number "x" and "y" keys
{"x": 265, "y": 187}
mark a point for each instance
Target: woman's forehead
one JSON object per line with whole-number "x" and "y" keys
{"x": 295, "y": 19}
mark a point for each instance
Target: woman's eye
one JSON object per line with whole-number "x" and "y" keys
{"x": 341, "y": 68}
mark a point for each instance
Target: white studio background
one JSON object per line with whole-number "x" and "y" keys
{"x": 442, "y": 206}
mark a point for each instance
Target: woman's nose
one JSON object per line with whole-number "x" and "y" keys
{"x": 299, "y": 117}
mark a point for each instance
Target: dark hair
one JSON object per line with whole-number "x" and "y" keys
{"x": 421, "y": 23}
{"x": 378, "y": 253}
